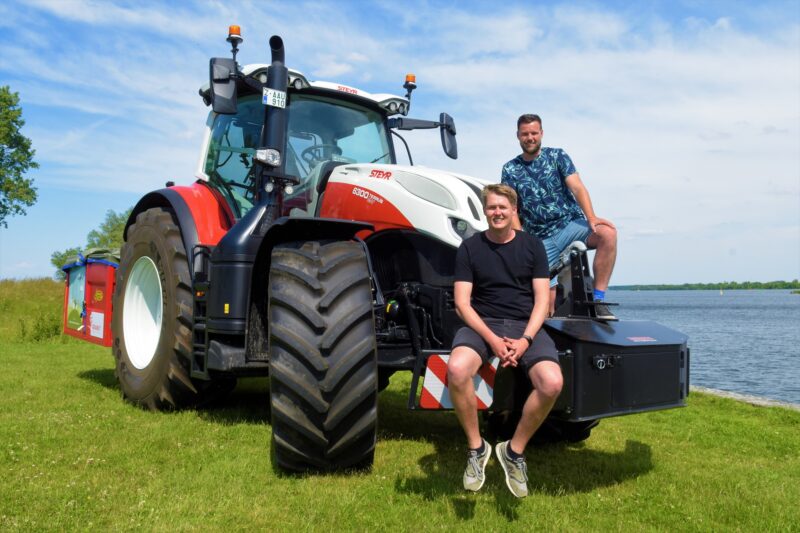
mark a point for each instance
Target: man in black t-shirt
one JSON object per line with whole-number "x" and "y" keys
{"x": 502, "y": 291}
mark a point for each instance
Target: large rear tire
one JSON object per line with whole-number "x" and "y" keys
{"x": 323, "y": 357}
{"x": 152, "y": 320}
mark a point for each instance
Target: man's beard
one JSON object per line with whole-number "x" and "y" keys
{"x": 531, "y": 149}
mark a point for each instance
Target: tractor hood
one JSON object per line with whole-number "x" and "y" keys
{"x": 442, "y": 204}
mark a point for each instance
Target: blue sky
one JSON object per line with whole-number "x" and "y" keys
{"x": 683, "y": 118}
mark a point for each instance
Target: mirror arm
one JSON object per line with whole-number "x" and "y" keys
{"x": 412, "y": 124}
{"x": 250, "y": 81}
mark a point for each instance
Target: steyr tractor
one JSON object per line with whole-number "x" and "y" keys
{"x": 304, "y": 252}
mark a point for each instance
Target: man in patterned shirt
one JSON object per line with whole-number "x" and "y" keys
{"x": 555, "y": 206}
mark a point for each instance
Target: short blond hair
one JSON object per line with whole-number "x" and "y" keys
{"x": 499, "y": 189}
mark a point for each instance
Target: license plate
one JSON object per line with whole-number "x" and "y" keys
{"x": 274, "y": 98}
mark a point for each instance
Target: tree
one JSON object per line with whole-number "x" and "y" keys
{"x": 59, "y": 259}
{"x": 108, "y": 235}
{"x": 16, "y": 158}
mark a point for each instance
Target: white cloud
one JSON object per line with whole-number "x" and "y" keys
{"x": 685, "y": 129}
{"x": 589, "y": 26}
{"x": 330, "y": 68}
{"x": 357, "y": 57}
{"x": 100, "y": 13}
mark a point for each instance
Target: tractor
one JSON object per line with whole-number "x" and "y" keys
{"x": 306, "y": 253}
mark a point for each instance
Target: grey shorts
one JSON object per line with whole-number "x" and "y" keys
{"x": 542, "y": 349}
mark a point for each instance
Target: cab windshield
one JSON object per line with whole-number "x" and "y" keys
{"x": 321, "y": 133}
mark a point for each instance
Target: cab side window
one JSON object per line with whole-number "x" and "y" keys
{"x": 229, "y": 164}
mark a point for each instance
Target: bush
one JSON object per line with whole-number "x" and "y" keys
{"x": 45, "y": 326}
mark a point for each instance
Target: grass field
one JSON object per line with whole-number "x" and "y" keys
{"x": 75, "y": 456}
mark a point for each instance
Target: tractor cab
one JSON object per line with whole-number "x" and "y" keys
{"x": 307, "y": 127}
{"x": 322, "y": 133}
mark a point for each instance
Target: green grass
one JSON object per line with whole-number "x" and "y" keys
{"x": 73, "y": 455}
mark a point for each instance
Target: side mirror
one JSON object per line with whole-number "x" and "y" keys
{"x": 223, "y": 85}
{"x": 448, "y": 132}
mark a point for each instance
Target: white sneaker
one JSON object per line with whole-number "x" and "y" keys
{"x": 474, "y": 476}
{"x": 516, "y": 470}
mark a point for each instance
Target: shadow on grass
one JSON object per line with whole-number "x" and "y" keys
{"x": 101, "y": 376}
{"x": 555, "y": 469}
{"x": 248, "y": 403}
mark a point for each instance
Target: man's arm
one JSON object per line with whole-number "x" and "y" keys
{"x": 581, "y": 194}
{"x": 541, "y": 305}
{"x": 505, "y": 179}
{"x": 462, "y": 293}
{"x": 515, "y": 222}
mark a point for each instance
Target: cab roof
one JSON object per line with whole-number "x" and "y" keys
{"x": 392, "y": 104}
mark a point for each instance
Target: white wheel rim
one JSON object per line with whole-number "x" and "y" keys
{"x": 142, "y": 313}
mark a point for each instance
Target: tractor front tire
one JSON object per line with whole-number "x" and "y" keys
{"x": 152, "y": 320}
{"x": 323, "y": 357}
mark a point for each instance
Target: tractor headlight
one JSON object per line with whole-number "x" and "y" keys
{"x": 269, "y": 156}
{"x": 298, "y": 81}
{"x": 461, "y": 228}
{"x": 394, "y": 105}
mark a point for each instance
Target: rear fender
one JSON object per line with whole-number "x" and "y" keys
{"x": 202, "y": 216}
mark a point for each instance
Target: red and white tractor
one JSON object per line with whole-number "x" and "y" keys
{"x": 303, "y": 251}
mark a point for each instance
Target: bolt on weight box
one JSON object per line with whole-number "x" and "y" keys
{"x": 617, "y": 368}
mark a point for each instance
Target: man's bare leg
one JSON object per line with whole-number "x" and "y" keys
{"x": 547, "y": 382}
{"x": 463, "y": 364}
{"x": 604, "y": 241}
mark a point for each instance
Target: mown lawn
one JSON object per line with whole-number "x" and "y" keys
{"x": 75, "y": 456}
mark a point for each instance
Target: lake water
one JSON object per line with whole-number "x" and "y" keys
{"x": 745, "y": 341}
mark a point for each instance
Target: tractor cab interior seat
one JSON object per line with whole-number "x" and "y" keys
{"x": 325, "y": 171}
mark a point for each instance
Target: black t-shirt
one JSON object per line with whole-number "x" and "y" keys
{"x": 502, "y": 274}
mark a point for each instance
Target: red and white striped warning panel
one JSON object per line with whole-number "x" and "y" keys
{"x": 434, "y": 388}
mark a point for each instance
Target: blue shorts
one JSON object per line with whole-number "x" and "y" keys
{"x": 577, "y": 230}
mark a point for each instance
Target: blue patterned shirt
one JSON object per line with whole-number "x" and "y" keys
{"x": 545, "y": 202}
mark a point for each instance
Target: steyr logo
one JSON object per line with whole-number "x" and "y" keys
{"x": 347, "y": 89}
{"x": 380, "y": 174}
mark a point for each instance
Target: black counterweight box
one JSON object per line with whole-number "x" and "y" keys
{"x": 618, "y": 367}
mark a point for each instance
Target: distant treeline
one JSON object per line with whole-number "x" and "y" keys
{"x": 724, "y": 285}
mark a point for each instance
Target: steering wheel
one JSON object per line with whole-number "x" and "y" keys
{"x": 316, "y": 153}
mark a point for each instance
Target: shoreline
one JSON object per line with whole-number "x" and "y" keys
{"x": 656, "y": 288}
{"x": 746, "y": 398}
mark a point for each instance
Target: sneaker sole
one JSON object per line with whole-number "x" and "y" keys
{"x": 502, "y": 462}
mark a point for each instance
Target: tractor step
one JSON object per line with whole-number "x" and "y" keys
{"x": 200, "y": 286}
